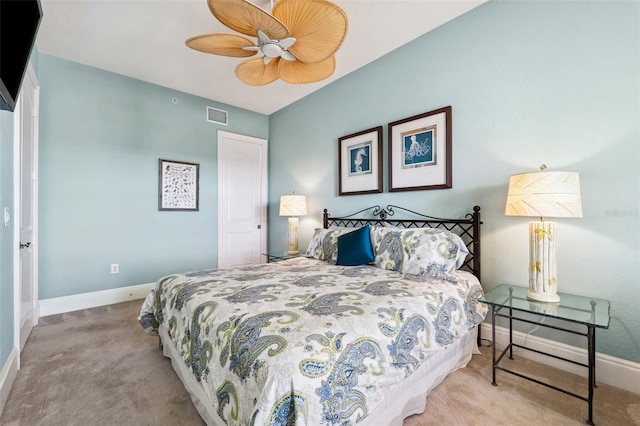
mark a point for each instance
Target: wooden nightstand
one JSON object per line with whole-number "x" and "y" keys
{"x": 505, "y": 300}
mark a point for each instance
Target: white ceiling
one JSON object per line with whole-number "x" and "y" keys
{"x": 145, "y": 39}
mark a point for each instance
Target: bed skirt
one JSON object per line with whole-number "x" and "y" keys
{"x": 405, "y": 399}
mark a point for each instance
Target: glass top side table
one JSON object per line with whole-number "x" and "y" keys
{"x": 579, "y": 309}
{"x": 506, "y": 300}
{"x": 279, "y": 256}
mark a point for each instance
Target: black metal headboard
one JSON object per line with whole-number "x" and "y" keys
{"x": 468, "y": 228}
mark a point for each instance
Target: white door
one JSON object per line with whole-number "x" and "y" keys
{"x": 242, "y": 199}
{"x": 25, "y": 201}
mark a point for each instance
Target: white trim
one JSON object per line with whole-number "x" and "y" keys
{"x": 76, "y": 302}
{"x": 17, "y": 131}
{"x": 35, "y": 205}
{"x": 8, "y": 376}
{"x": 613, "y": 371}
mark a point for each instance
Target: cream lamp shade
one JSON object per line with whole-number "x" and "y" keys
{"x": 543, "y": 194}
{"x": 292, "y": 206}
{"x": 550, "y": 194}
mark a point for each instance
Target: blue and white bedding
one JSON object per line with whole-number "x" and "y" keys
{"x": 307, "y": 342}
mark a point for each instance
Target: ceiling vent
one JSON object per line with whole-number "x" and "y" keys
{"x": 217, "y": 116}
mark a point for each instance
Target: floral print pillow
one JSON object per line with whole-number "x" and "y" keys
{"x": 418, "y": 251}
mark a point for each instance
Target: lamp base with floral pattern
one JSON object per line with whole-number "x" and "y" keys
{"x": 543, "y": 281}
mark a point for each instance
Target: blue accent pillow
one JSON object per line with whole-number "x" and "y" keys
{"x": 355, "y": 248}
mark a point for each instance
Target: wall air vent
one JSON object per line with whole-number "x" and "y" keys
{"x": 217, "y": 116}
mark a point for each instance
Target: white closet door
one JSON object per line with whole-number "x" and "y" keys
{"x": 242, "y": 199}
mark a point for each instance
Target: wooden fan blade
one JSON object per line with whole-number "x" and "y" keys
{"x": 222, "y": 44}
{"x": 319, "y": 27}
{"x": 247, "y": 18}
{"x": 255, "y": 72}
{"x": 302, "y": 72}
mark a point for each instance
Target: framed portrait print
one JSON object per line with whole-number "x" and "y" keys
{"x": 360, "y": 162}
{"x": 178, "y": 185}
{"x": 420, "y": 152}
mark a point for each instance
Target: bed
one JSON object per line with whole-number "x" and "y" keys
{"x": 357, "y": 331}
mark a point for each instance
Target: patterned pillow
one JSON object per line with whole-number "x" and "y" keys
{"x": 324, "y": 243}
{"x": 418, "y": 251}
{"x": 315, "y": 245}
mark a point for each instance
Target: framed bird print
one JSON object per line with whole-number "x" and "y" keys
{"x": 178, "y": 185}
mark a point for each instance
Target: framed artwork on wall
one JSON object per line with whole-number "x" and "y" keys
{"x": 360, "y": 162}
{"x": 178, "y": 185}
{"x": 420, "y": 152}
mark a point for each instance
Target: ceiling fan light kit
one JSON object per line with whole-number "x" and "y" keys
{"x": 298, "y": 40}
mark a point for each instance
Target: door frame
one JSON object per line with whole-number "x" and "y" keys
{"x": 265, "y": 187}
{"x": 17, "y": 209}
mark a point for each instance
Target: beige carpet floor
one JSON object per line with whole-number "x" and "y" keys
{"x": 98, "y": 367}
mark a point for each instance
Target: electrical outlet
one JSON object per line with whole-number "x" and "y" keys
{"x": 115, "y": 268}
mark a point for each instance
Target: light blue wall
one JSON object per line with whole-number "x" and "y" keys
{"x": 101, "y": 135}
{"x": 529, "y": 83}
{"x": 6, "y": 237}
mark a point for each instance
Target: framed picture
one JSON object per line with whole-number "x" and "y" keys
{"x": 420, "y": 152}
{"x": 178, "y": 185}
{"x": 360, "y": 162}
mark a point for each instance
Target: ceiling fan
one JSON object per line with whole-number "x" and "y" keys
{"x": 298, "y": 40}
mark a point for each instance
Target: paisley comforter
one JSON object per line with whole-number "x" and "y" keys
{"x": 304, "y": 341}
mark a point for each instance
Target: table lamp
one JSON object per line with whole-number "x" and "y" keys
{"x": 292, "y": 206}
{"x": 540, "y": 194}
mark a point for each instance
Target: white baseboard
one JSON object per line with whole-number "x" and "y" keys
{"x": 613, "y": 371}
{"x": 8, "y": 376}
{"x": 76, "y": 302}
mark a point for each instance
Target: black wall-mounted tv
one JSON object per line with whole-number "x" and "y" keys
{"x": 19, "y": 23}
